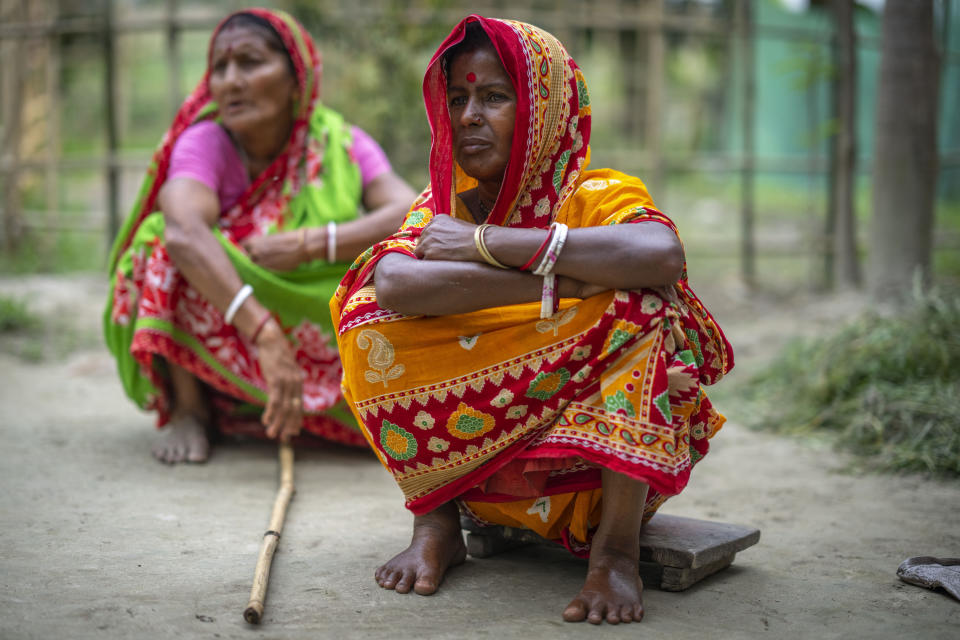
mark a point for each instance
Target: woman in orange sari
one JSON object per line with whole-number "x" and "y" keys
{"x": 526, "y": 348}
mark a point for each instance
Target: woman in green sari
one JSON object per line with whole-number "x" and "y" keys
{"x": 244, "y": 225}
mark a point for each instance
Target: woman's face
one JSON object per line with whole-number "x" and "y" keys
{"x": 250, "y": 81}
{"x": 483, "y": 107}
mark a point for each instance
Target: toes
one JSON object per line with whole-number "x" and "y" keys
{"x": 626, "y": 613}
{"x": 426, "y": 585}
{"x": 613, "y": 616}
{"x": 638, "y": 612}
{"x": 388, "y": 578}
{"x": 595, "y": 616}
{"x": 159, "y": 451}
{"x": 198, "y": 454}
{"x": 405, "y": 583}
{"x": 576, "y": 611}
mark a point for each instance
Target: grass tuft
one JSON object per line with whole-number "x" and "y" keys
{"x": 15, "y": 317}
{"x": 886, "y": 388}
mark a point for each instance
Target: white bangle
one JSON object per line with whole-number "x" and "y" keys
{"x": 331, "y": 242}
{"x": 237, "y": 301}
{"x": 552, "y": 252}
{"x": 548, "y": 298}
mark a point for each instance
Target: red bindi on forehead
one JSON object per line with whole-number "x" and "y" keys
{"x": 471, "y": 77}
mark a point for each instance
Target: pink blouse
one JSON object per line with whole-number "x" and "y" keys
{"x": 205, "y": 152}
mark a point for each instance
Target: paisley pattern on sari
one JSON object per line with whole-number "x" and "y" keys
{"x": 499, "y": 408}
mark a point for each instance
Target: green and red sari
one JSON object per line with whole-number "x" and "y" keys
{"x": 154, "y": 316}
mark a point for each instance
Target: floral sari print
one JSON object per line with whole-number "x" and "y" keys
{"x": 499, "y": 407}
{"x": 155, "y": 316}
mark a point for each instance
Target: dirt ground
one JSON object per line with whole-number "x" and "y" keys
{"x": 102, "y": 542}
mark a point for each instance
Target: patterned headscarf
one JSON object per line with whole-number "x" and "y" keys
{"x": 266, "y": 199}
{"x": 549, "y": 149}
{"x": 552, "y": 128}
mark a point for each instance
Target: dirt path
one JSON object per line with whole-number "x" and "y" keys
{"x": 103, "y": 543}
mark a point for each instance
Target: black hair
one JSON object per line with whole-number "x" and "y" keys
{"x": 270, "y": 35}
{"x": 474, "y": 39}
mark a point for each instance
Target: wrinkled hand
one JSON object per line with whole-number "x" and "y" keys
{"x": 572, "y": 288}
{"x": 448, "y": 238}
{"x": 283, "y": 416}
{"x": 588, "y": 290}
{"x": 278, "y": 251}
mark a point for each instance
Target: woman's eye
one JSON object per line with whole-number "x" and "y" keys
{"x": 496, "y": 97}
{"x": 458, "y": 101}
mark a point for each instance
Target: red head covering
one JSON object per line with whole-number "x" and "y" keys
{"x": 548, "y": 153}
{"x": 550, "y": 136}
{"x": 199, "y": 105}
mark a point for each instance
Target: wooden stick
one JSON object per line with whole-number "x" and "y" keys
{"x": 271, "y": 538}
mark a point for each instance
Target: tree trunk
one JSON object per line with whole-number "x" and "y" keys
{"x": 905, "y": 164}
{"x": 846, "y": 264}
{"x": 13, "y": 80}
{"x": 743, "y": 18}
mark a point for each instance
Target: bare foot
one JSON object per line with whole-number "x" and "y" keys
{"x": 437, "y": 545}
{"x": 184, "y": 439}
{"x": 613, "y": 590}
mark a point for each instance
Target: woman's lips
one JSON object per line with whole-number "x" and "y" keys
{"x": 474, "y": 145}
{"x": 234, "y": 106}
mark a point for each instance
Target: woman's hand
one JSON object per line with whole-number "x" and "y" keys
{"x": 568, "y": 287}
{"x": 283, "y": 416}
{"x": 282, "y": 251}
{"x": 448, "y": 238}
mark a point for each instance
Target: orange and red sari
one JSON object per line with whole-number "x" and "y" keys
{"x": 512, "y": 414}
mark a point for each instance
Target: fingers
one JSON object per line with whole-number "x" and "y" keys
{"x": 294, "y": 421}
{"x": 283, "y": 415}
{"x": 447, "y": 238}
{"x": 278, "y": 251}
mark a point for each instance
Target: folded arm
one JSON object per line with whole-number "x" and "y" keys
{"x": 451, "y": 277}
{"x": 386, "y": 198}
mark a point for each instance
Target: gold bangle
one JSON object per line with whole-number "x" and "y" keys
{"x": 482, "y": 247}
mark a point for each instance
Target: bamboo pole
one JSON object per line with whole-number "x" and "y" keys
{"x": 112, "y": 128}
{"x": 743, "y": 20}
{"x": 261, "y": 575}
{"x": 653, "y": 124}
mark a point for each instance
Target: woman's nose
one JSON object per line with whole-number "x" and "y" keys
{"x": 471, "y": 112}
{"x": 231, "y": 75}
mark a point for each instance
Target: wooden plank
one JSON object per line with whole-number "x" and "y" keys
{"x": 677, "y": 579}
{"x": 675, "y": 541}
{"x": 675, "y": 552}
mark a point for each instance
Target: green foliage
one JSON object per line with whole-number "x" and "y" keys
{"x": 21, "y": 331}
{"x": 14, "y": 316}
{"x": 55, "y": 252}
{"x": 884, "y": 387}
{"x": 37, "y": 337}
